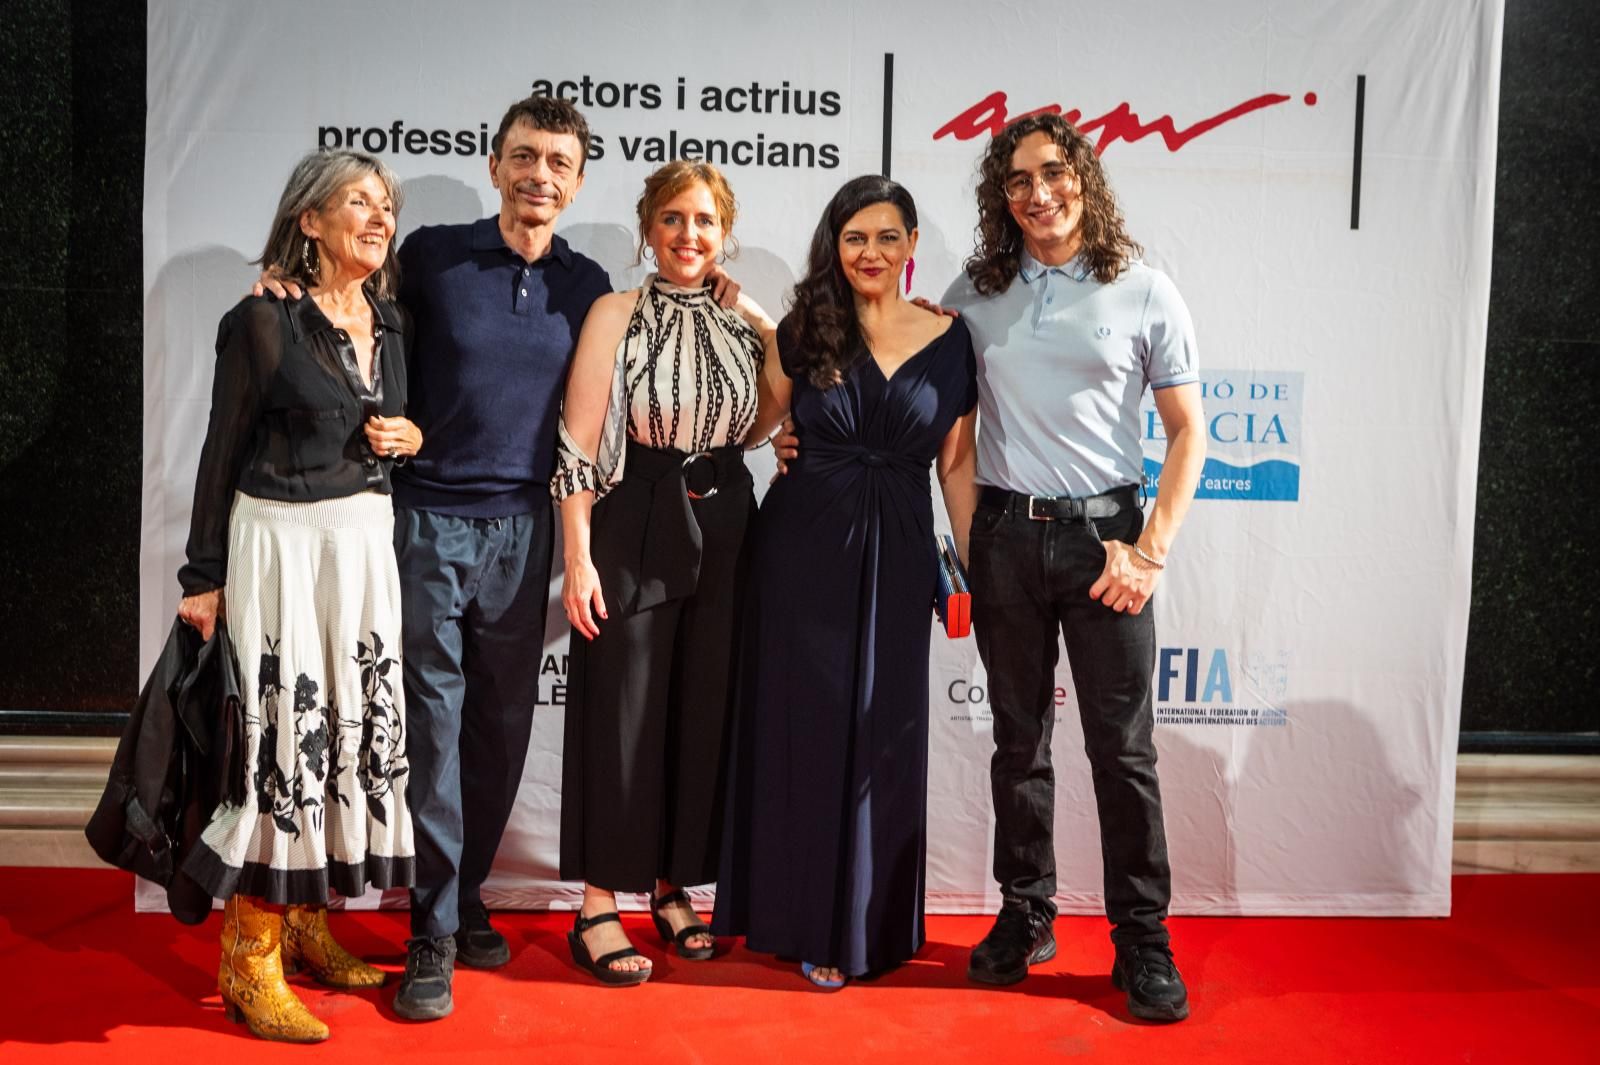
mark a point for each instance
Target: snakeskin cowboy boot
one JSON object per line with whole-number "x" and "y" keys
{"x": 308, "y": 944}
{"x": 251, "y": 977}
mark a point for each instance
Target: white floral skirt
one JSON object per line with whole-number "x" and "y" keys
{"x": 313, "y": 605}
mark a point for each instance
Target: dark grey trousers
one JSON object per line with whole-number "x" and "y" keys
{"x": 474, "y": 592}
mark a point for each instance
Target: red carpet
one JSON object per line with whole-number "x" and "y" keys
{"x": 1512, "y": 977}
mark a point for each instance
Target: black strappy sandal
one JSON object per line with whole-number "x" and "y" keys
{"x": 600, "y": 968}
{"x": 664, "y": 927}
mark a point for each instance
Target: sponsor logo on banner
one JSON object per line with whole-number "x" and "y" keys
{"x": 1252, "y": 436}
{"x": 1192, "y": 686}
{"x": 968, "y": 699}
{"x": 1213, "y": 686}
{"x": 989, "y": 116}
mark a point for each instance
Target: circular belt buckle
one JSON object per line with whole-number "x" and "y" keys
{"x": 690, "y": 460}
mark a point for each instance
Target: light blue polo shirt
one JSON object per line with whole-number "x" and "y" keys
{"x": 1063, "y": 361}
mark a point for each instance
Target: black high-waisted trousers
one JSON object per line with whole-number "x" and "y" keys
{"x": 648, "y": 699}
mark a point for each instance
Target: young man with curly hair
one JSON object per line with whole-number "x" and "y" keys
{"x": 1070, "y": 328}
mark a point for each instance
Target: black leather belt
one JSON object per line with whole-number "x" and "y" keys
{"x": 1061, "y": 508}
{"x": 704, "y": 472}
{"x": 659, "y": 558}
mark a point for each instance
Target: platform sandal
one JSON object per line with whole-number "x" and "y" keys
{"x": 688, "y": 932}
{"x": 600, "y": 968}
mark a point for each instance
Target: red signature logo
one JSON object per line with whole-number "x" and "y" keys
{"x": 1121, "y": 123}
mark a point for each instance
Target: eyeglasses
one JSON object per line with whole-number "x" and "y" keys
{"x": 1056, "y": 179}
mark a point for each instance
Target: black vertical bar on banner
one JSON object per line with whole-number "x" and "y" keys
{"x": 888, "y": 108}
{"x": 1355, "y": 170}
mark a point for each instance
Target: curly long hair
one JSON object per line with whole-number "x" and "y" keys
{"x": 1107, "y": 248}
{"x": 822, "y": 318}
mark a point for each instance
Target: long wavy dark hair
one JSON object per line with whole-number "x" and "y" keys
{"x": 1107, "y": 248}
{"x": 822, "y": 315}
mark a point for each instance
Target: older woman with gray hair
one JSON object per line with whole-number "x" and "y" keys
{"x": 293, "y": 524}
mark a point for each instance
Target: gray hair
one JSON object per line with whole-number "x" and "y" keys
{"x": 313, "y": 184}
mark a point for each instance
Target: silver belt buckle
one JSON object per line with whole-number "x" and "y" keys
{"x": 689, "y": 459}
{"x": 1031, "y": 515}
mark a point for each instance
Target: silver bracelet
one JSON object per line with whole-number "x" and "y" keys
{"x": 1140, "y": 552}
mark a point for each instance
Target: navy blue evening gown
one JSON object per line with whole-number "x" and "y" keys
{"x": 824, "y": 845}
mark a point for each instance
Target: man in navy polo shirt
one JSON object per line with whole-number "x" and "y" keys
{"x": 497, "y": 306}
{"x": 1070, "y": 329}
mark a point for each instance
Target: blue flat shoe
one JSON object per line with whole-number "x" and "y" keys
{"x": 806, "y": 969}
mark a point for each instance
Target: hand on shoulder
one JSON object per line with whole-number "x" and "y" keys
{"x": 273, "y": 285}
{"x": 260, "y": 312}
{"x": 925, "y": 304}
{"x": 927, "y": 322}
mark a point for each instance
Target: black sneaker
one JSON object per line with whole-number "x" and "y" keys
{"x": 1155, "y": 990}
{"x": 425, "y": 990}
{"x": 1019, "y": 938}
{"x": 478, "y": 945}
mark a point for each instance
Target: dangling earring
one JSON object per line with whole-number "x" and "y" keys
{"x": 911, "y": 264}
{"x": 648, "y": 253}
{"x": 305, "y": 260}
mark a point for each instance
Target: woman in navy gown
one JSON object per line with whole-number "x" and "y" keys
{"x": 824, "y": 849}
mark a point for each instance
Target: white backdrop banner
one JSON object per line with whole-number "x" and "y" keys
{"x": 1316, "y": 177}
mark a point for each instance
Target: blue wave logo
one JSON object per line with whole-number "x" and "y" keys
{"x": 1268, "y": 480}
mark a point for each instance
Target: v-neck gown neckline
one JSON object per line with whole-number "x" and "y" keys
{"x": 827, "y": 806}
{"x": 907, "y": 361}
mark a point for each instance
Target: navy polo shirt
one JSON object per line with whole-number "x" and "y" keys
{"x": 493, "y": 336}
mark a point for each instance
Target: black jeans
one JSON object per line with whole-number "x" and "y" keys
{"x": 1029, "y": 578}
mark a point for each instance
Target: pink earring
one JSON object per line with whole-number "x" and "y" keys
{"x": 911, "y": 264}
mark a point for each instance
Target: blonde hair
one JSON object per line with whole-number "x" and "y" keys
{"x": 672, "y": 179}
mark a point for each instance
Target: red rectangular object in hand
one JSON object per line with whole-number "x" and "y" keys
{"x": 953, "y": 600}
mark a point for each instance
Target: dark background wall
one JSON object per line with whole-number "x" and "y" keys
{"x": 71, "y": 381}
{"x": 72, "y": 85}
{"x": 1531, "y": 646}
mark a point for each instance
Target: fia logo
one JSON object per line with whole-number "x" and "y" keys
{"x": 1182, "y": 664}
{"x": 1208, "y": 686}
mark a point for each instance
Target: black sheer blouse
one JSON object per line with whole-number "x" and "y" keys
{"x": 287, "y": 410}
